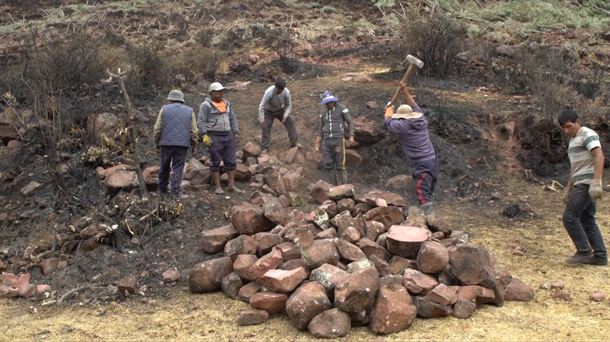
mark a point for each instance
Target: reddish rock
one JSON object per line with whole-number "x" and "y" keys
{"x": 207, "y": 276}
{"x": 341, "y": 191}
{"x": 292, "y": 180}
{"x": 372, "y": 248}
{"x": 242, "y": 244}
{"x": 267, "y": 262}
{"x": 319, "y": 217}
{"x": 344, "y": 219}
{"x": 242, "y": 265}
{"x": 320, "y": 252}
{"x": 463, "y": 309}
{"x": 284, "y": 281}
{"x": 331, "y": 323}
{"x": 393, "y": 311}
{"x": 251, "y": 150}
{"x": 274, "y": 179}
{"x": 432, "y": 257}
{"x": 294, "y": 155}
{"x": 391, "y": 280}
{"x": 214, "y": 240}
{"x": 390, "y": 198}
{"x": 430, "y": 309}
{"x": 348, "y": 251}
{"x": 361, "y": 208}
{"x": 417, "y": 282}
{"x": 248, "y": 219}
{"x": 49, "y": 265}
{"x": 289, "y": 250}
{"x": 476, "y": 293}
{"x": 151, "y": 175}
{"x": 360, "y": 265}
{"x": 293, "y": 264}
{"x": 265, "y": 242}
{"x": 405, "y": 241}
{"x": 503, "y": 275}
{"x": 558, "y": 294}
{"x": 598, "y": 296}
{"x": 330, "y": 207}
{"x": 381, "y": 265}
{"x": 473, "y": 265}
{"x": 366, "y": 131}
{"x": 271, "y": 302}
{"x": 374, "y": 229}
{"x": 128, "y": 285}
{"x": 346, "y": 204}
{"x": 443, "y": 294}
{"x": 352, "y": 158}
{"x": 360, "y": 319}
{"x": 305, "y": 303}
{"x": 242, "y": 173}
{"x": 328, "y": 275}
{"x": 329, "y": 233}
{"x": 319, "y": 191}
{"x": 248, "y": 290}
{"x": 231, "y": 284}
{"x": 119, "y": 179}
{"x": 398, "y": 264}
{"x": 274, "y": 211}
{"x": 385, "y": 215}
{"x": 358, "y": 291}
{"x": 252, "y": 317}
{"x": 171, "y": 276}
{"x": 350, "y": 234}
{"x": 302, "y": 235}
{"x": 399, "y": 182}
{"x": 518, "y": 291}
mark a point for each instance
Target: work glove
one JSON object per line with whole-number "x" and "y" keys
{"x": 284, "y": 118}
{"x": 595, "y": 189}
{"x": 261, "y": 120}
{"x": 206, "y": 140}
{"x": 389, "y": 110}
{"x": 236, "y": 137}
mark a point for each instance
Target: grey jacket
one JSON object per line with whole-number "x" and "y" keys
{"x": 332, "y": 123}
{"x": 211, "y": 120}
{"x": 272, "y": 102}
{"x": 175, "y": 126}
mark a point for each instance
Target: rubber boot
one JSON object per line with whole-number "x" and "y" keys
{"x": 343, "y": 176}
{"x": 232, "y": 186}
{"x": 216, "y": 179}
{"x": 336, "y": 177}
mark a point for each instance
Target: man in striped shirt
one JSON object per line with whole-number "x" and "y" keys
{"x": 583, "y": 189}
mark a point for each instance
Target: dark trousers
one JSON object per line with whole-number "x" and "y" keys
{"x": 174, "y": 156}
{"x": 579, "y": 222}
{"x": 425, "y": 179}
{"x": 223, "y": 149}
{"x": 333, "y": 154}
{"x": 270, "y": 117}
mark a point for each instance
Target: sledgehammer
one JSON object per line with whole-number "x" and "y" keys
{"x": 413, "y": 62}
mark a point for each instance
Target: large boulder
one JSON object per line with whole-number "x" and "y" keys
{"x": 349, "y": 251}
{"x": 320, "y": 252}
{"x": 357, "y": 292}
{"x": 331, "y": 323}
{"x": 328, "y": 275}
{"x": 207, "y": 276}
{"x": 305, "y": 303}
{"x": 271, "y": 302}
{"x": 243, "y": 244}
{"x": 386, "y": 215}
{"x": 248, "y": 219}
{"x": 405, "y": 241}
{"x": 433, "y": 257}
{"x": 366, "y": 131}
{"x": 518, "y": 291}
{"x": 274, "y": 211}
{"x": 394, "y": 311}
{"x": 319, "y": 191}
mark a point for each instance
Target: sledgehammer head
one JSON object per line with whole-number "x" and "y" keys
{"x": 414, "y": 60}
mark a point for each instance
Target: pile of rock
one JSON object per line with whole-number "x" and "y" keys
{"x": 354, "y": 260}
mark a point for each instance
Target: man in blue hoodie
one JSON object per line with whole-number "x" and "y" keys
{"x": 410, "y": 127}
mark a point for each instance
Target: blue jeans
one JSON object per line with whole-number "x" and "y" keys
{"x": 579, "y": 222}
{"x": 174, "y": 156}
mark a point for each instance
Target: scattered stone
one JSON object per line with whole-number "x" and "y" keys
{"x": 430, "y": 309}
{"x": 331, "y": 323}
{"x": 399, "y": 182}
{"x": 320, "y": 252}
{"x": 472, "y": 265}
{"x": 207, "y": 276}
{"x": 598, "y": 296}
{"x": 398, "y": 264}
{"x": 348, "y": 251}
{"x": 128, "y": 285}
{"x": 393, "y": 311}
{"x": 374, "y": 229}
{"x": 251, "y": 150}
{"x": 171, "y": 276}
{"x": 417, "y": 282}
{"x": 352, "y": 158}
{"x": 386, "y": 215}
{"x": 372, "y": 248}
{"x": 265, "y": 242}
{"x": 252, "y": 317}
{"x": 366, "y": 131}
{"x": 305, "y": 303}
{"x": 30, "y": 188}
{"x": 214, "y": 240}
{"x": 289, "y": 250}
{"x": 293, "y": 264}
{"x": 243, "y": 244}
{"x": 390, "y": 198}
{"x": 242, "y": 265}
{"x": 329, "y": 233}
{"x": 481, "y": 295}
{"x": 274, "y": 211}
{"x": 561, "y": 295}
{"x": 268, "y": 262}
{"x": 372, "y": 105}
{"x": 248, "y": 290}
{"x": 558, "y": 285}
{"x": 328, "y": 275}
{"x": 346, "y": 204}
{"x": 463, "y": 309}
{"x": 519, "y": 291}
{"x": 319, "y": 191}
{"x": 443, "y": 294}
{"x": 350, "y": 234}
{"x": 248, "y": 219}
{"x": 358, "y": 291}
{"x": 271, "y": 302}
{"x": 341, "y": 191}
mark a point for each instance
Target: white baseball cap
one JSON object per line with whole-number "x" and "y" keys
{"x": 216, "y": 86}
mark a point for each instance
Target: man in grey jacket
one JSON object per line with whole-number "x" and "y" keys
{"x": 276, "y": 104}
{"x": 219, "y": 131}
{"x": 174, "y": 132}
{"x": 332, "y": 136}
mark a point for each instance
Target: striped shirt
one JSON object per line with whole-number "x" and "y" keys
{"x": 582, "y": 162}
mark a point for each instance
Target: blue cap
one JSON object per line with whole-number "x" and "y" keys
{"x": 327, "y": 97}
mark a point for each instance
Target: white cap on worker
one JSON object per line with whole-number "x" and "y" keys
{"x": 216, "y": 86}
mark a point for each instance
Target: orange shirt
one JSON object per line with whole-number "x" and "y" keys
{"x": 221, "y": 106}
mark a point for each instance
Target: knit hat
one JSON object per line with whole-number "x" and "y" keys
{"x": 327, "y": 97}
{"x": 406, "y": 112}
{"x": 175, "y": 95}
{"x": 216, "y": 86}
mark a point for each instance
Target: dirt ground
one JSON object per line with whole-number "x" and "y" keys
{"x": 185, "y": 316}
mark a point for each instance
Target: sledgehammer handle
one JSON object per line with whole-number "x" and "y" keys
{"x": 404, "y": 80}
